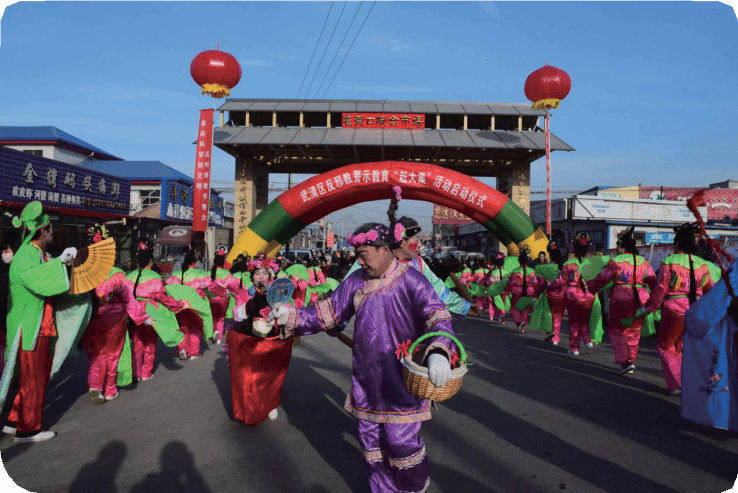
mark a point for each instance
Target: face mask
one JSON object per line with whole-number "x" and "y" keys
{"x": 7, "y": 257}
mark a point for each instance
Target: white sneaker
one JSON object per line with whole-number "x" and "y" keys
{"x": 193, "y": 357}
{"x": 573, "y": 352}
{"x": 113, "y": 397}
{"x": 8, "y": 430}
{"x": 97, "y": 397}
{"x": 590, "y": 347}
{"x": 146, "y": 379}
{"x": 41, "y": 436}
{"x": 273, "y": 414}
{"x": 182, "y": 354}
{"x": 555, "y": 343}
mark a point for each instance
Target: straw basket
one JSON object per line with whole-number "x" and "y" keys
{"x": 416, "y": 376}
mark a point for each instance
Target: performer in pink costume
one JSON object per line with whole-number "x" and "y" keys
{"x": 523, "y": 282}
{"x": 219, "y": 304}
{"x": 630, "y": 274}
{"x": 190, "y": 322}
{"x": 555, "y": 295}
{"x": 106, "y": 332}
{"x": 578, "y": 299}
{"x": 148, "y": 288}
{"x": 683, "y": 278}
{"x": 497, "y": 273}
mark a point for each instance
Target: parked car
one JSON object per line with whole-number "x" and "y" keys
{"x": 298, "y": 255}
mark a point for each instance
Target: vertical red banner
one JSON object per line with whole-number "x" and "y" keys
{"x": 201, "y": 197}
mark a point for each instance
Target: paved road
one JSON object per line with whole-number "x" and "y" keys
{"x": 528, "y": 418}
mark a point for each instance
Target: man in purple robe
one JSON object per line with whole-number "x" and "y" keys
{"x": 393, "y": 303}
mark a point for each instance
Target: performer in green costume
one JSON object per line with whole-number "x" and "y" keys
{"x": 35, "y": 279}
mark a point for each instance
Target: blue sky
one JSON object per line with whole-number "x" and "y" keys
{"x": 652, "y": 99}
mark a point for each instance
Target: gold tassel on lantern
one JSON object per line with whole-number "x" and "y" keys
{"x": 215, "y": 90}
{"x": 542, "y": 104}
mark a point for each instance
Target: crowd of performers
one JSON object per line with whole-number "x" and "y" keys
{"x": 393, "y": 295}
{"x": 537, "y": 293}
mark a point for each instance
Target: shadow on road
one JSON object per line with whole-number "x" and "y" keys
{"x": 178, "y": 472}
{"x": 324, "y": 425}
{"x": 100, "y": 474}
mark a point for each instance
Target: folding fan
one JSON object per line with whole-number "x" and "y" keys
{"x": 548, "y": 271}
{"x": 592, "y": 266}
{"x": 92, "y": 266}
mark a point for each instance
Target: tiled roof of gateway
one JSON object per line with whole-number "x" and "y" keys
{"x": 47, "y": 134}
{"x": 370, "y": 106}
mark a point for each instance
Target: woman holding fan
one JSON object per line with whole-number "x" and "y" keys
{"x": 190, "y": 321}
{"x": 632, "y": 277}
{"x": 148, "y": 289}
{"x": 523, "y": 285}
{"x": 578, "y": 299}
{"x": 105, "y": 337}
{"x": 683, "y": 278}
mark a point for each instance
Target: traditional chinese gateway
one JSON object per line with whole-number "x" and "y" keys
{"x": 315, "y": 136}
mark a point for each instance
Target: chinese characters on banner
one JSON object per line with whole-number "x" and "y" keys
{"x": 383, "y": 120}
{"x": 350, "y": 183}
{"x": 445, "y": 215}
{"x": 53, "y": 183}
{"x": 201, "y": 191}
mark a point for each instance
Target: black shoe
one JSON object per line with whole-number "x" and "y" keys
{"x": 549, "y": 337}
{"x": 626, "y": 368}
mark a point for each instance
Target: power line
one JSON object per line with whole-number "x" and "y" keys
{"x": 315, "y": 49}
{"x": 326, "y": 48}
{"x": 338, "y": 50}
{"x": 349, "y": 50}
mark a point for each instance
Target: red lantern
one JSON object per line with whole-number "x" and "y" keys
{"x": 216, "y": 72}
{"x": 547, "y": 86}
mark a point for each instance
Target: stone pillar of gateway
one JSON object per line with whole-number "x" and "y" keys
{"x": 299, "y": 136}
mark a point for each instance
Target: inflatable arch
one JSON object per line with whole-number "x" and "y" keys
{"x": 323, "y": 194}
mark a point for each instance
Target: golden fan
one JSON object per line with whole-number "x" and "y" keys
{"x": 92, "y": 266}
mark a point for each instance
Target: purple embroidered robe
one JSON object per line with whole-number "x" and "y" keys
{"x": 401, "y": 305}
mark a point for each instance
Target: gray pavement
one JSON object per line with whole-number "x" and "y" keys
{"x": 528, "y": 418}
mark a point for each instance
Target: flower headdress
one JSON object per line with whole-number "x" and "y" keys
{"x": 625, "y": 238}
{"x": 374, "y": 234}
{"x": 221, "y": 250}
{"x": 97, "y": 232}
{"x": 582, "y": 239}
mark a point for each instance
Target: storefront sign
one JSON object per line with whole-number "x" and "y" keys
{"x": 383, "y": 120}
{"x": 202, "y": 171}
{"x": 589, "y": 207}
{"x": 26, "y": 178}
{"x": 660, "y": 237}
{"x": 177, "y": 204}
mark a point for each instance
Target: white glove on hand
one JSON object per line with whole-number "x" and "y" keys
{"x": 149, "y": 321}
{"x": 439, "y": 371}
{"x": 68, "y": 255}
{"x": 282, "y": 315}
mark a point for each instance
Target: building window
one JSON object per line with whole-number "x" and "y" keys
{"x": 35, "y": 153}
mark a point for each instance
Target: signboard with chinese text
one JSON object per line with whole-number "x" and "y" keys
{"x": 26, "y": 178}
{"x": 588, "y": 206}
{"x": 177, "y": 200}
{"x": 201, "y": 190}
{"x": 383, "y": 120}
{"x": 446, "y": 215}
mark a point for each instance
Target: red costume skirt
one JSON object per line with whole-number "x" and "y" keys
{"x": 258, "y": 368}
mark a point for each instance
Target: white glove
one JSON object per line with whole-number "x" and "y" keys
{"x": 149, "y": 321}
{"x": 281, "y": 315}
{"x": 68, "y": 255}
{"x": 439, "y": 371}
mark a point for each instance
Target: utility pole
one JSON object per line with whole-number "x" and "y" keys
{"x": 287, "y": 246}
